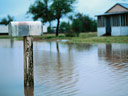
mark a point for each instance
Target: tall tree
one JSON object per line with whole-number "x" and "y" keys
{"x": 48, "y": 10}
{"x": 61, "y": 8}
{"x": 7, "y": 20}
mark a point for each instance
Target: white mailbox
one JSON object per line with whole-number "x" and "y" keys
{"x": 26, "y": 28}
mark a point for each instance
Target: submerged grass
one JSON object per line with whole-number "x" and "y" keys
{"x": 90, "y": 37}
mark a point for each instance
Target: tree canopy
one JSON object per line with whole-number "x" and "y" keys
{"x": 49, "y": 10}
{"x": 41, "y": 10}
{"x": 79, "y": 23}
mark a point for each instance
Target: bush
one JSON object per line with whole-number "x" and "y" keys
{"x": 77, "y": 27}
{"x": 50, "y": 30}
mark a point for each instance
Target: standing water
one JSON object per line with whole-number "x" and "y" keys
{"x": 62, "y": 69}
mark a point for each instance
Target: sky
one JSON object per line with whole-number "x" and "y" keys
{"x": 18, "y": 8}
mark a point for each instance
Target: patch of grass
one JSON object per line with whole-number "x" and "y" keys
{"x": 90, "y": 37}
{"x": 111, "y": 39}
{"x": 4, "y": 36}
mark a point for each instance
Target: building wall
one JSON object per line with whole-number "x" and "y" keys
{"x": 3, "y": 29}
{"x": 117, "y": 8}
{"x": 115, "y": 31}
{"x": 124, "y": 31}
{"x": 120, "y": 31}
{"x": 101, "y": 31}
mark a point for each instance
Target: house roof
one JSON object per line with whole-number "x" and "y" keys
{"x": 114, "y": 13}
{"x": 124, "y": 5}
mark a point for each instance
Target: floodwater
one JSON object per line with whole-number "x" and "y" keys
{"x": 62, "y": 69}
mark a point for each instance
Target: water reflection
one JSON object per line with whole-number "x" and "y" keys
{"x": 7, "y": 43}
{"x": 54, "y": 73}
{"x": 78, "y": 47}
{"x": 115, "y": 54}
{"x": 62, "y": 69}
{"x": 11, "y": 42}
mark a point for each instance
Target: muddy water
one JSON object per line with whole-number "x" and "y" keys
{"x": 65, "y": 69}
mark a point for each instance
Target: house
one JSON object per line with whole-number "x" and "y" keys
{"x": 114, "y": 22}
{"x": 3, "y": 29}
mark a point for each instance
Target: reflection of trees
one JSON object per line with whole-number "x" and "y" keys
{"x": 7, "y": 43}
{"x": 77, "y": 46}
{"x": 57, "y": 47}
{"x": 55, "y": 70}
{"x": 115, "y": 54}
{"x": 11, "y": 42}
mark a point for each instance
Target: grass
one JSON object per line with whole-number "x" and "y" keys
{"x": 90, "y": 37}
{"x": 121, "y": 39}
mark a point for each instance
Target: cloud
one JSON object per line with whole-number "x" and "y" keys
{"x": 18, "y": 8}
{"x": 94, "y": 7}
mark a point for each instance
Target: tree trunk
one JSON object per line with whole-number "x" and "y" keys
{"x": 57, "y": 28}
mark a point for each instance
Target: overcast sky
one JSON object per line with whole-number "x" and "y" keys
{"x": 18, "y": 8}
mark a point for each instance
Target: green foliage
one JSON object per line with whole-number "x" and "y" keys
{"x": 77, "y": 26}
{"x": 61, "y": 8}
{"x": 41, "y": 10}
{"x": 50, "y": 29}
{"x": 49, "y": 10}
{"x": 80, "y": 23}
{"x": 7, "y": 20}
{"x": 64, "y": 27}
{"x": 88, "y": 24}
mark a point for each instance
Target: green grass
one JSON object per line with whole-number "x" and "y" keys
{"x": 4, "y": 36}
{"x": 90, "y": 37}
{"x": 123, "y": 39}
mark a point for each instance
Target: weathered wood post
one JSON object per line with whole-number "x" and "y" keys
{"x": 27, "y": 30}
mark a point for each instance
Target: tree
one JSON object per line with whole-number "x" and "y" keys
{"x": 7, "y": 20}
{"x": 77, "y": 26}
{"x": 41, "y": 10}
{"x": 61, "y": 8}
{"x": 64, "y": 26}
{"x": 88, "y": 24}
{"x": 49, "y": 10}
{"x": 70, "y": 18}
{"x": 80, "y": 23}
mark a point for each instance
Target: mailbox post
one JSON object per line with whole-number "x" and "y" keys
{"x": 27, "y": 30}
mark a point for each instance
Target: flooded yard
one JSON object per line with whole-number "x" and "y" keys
{"x": 62, "y": 69}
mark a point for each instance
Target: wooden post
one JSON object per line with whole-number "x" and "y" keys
{"x": 28, "y": 91}
{"x": 28, "y": 62}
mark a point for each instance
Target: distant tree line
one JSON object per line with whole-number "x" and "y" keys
{"x": 79, "y": 23}
{"x": 6, "y": 20}
{"x": 50, "y": 10}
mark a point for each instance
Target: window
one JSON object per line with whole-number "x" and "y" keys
{"x": 101, "y": 21}
{"x": 124, "y": 20}
{"x": 115, "y": 20}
